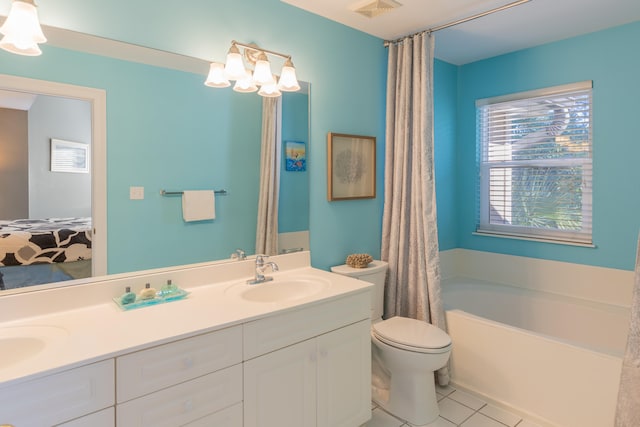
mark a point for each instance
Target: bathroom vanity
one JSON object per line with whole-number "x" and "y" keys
{"x": 291, "y": 352}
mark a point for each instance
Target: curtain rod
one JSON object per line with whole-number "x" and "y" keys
{"x": 459, "y": 21}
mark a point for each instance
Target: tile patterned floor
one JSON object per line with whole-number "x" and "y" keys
{"x": 457, "y": 409}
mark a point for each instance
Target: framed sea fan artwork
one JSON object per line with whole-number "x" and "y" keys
{"x": 351, "y": 167}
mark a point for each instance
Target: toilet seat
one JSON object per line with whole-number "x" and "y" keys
{"x": 412, "y": 335}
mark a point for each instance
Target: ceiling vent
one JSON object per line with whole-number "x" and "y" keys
{"x": 377, "y": 8}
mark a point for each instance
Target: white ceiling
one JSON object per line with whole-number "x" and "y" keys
{"x": 530, "y": 24}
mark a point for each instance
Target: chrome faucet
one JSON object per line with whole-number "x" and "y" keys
{"x": 261, "y": 266}
{"x": 237, "y": 255}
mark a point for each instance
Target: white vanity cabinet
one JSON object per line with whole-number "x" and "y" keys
{"x": 309, "y": 367}
{"x": 59, "y": 398}
{"x": 261, "y": 364}
{"x": 182, "y": 382}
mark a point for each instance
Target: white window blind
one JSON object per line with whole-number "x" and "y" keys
{"x": 535, "y": 152}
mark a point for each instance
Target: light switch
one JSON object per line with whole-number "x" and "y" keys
{"x": 136, "y": 193}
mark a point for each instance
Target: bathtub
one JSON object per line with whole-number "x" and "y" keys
{"x": 552, "y": 358}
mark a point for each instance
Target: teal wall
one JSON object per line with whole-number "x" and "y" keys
{"x": 611, "y": 59}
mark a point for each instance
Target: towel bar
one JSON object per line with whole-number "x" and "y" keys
{"x": 177, "y": 193}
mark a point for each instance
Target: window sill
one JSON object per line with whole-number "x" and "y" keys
{"x": 533, "y": 239}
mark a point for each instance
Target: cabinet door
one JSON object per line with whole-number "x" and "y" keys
{"x": 344, "y": 376}
{"x": 280, "y": 388}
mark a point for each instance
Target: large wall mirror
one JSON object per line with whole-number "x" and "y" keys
{"x": 145, "y": 126}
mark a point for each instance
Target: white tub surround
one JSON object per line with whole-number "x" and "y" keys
{"x": 548, "y": 345}
{"x": 598, "y": 327}
{"x": 597, "y": 284}
{"x": 189, "y": 357}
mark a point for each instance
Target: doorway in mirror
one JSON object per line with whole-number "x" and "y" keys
{"x": 48, "y": 216}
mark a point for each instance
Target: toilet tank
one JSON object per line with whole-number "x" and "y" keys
{"x": 376, "y": 273}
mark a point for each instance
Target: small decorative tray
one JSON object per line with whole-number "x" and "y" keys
{"x": 159, "y": 299}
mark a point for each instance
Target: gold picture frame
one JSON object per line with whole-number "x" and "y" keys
{"x": 351, "y": 167}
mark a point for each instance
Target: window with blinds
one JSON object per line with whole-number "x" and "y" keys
{"x": 534, "y": 155}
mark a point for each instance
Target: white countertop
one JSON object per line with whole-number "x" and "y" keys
{"x": 100, "y": 331}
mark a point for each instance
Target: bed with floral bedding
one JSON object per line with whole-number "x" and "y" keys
{"x": 59, "y": 247}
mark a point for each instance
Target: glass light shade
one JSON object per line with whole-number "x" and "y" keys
{"x": 262, "y": 74}
{"x": 270, "y": 90}
{"x": 246, "y": 84}
{"x": 216, "y": 77}
{"x": 21, "y": 30}
{"x": 288, "y": 81}
{"x": 234, "y": 68}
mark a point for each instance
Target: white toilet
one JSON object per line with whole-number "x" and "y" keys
{"x": 405, "y": 353}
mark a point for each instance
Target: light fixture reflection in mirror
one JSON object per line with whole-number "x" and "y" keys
{"x": 21, "y": 29}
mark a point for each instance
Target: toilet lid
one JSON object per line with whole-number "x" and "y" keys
{"x": 404, "y": 332}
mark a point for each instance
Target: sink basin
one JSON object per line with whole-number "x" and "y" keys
{"x": 19, "y": 343}
{"x": 280, "y": 289}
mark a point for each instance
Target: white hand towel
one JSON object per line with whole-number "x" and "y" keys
{"x": 198, "y": 205}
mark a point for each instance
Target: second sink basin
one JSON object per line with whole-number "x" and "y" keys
{"x": 280, "y": 290}
{"x": 19, "y": 343}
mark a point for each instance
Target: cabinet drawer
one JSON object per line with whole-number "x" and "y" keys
{"x": 150, "y": 370}
{"x": 271, "y": 333}
{"x": 104, "y": 418}
{"x": 229, "y": 417}
{"x": 184, "y": 403}
{"x": 60, "y": 397}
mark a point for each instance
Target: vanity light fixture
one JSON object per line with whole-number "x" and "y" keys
{"x": 247, "y": 80}
{"x": 270, "y": 89}
{"x": 262, "y": 74}
{"x": 234, "y": 68}
{"x": 245, "y": 84}
{"x": 217, "y": 77}
{"x": 288, "y": 81}
{"x": 21, "y": 29}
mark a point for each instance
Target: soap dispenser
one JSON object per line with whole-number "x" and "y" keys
{"x": 148, "y": 292}
{"x": 128, "y": 297}
{"x": 168, "y": 289}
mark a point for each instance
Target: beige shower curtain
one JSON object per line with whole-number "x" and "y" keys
{"x": 409, "y": 230}
{"x": 267, "y": 223}
{"x": 628, "y": 409}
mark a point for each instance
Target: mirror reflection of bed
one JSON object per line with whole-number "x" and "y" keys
{"x": 45, "y": 214}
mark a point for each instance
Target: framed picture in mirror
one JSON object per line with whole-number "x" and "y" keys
{"x": 68, "y": 156}
{"x": 351, "y": 167}
{"x": 295, "y": 156}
